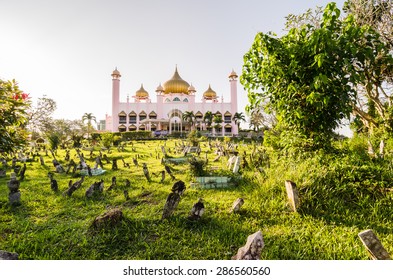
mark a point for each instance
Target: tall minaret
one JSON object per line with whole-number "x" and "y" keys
{"x": 115, "y": 99}
{"x": 233, "y": 81}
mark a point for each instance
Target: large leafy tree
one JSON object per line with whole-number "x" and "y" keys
{"x": 13, "y": 116}
{"x": 307, "y": 76}
{"x": 189, "y": 116}
{"x": 40, "y": 120}
{"x": 238, "y": 117}
{"x": 208, "y": 118}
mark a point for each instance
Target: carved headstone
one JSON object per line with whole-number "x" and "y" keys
{"x": 293, "y": 195}
{"x": 179, "y": 187}
{"x": 96, "y": 187}
{"x": 113, "y": 184}
{"x": 13, "y": 186}
{"x": 373, "y": 245}
{"x": 53, "y": 183}
{"x": 171, "y": 203}
{"x": 197, "y": 210}
{"x": 4, "y": 255}
{"x": 253, "y": 248}
{"x": 74, "y": 186}
{"x": 236, "y": 165}
{"x": 237, "y": 204}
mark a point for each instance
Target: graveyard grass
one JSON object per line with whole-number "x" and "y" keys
{"x": 340, "y": 194}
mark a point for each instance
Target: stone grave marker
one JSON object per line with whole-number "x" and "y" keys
{"x": 179, "y": 187}
{"x": 146, "y": 172}
{"x": 197, "y": 210}
{"x": 4, "y": 255}
{"x": 110, "y": 218}
{"x": 96, "y": 187}
{"x": 237, "y": 204}
{"x": 236, "y": 166}
{"x": 253, "y": 248}
{"x": 162, "y": 176}
{"x": 53, "y": 183}
{"x": 171, "y": 203}
{"x": 373, "y": 245}
{"x": 293, "y": 195}
{"x": 113, "y": 184}
{"x": 42, "y": 161}
{"x": 14, "y": 194}
{"x": 381, "y": 148}
{"x": 169, "y": 171}
{"x": 105, "y": 157}
{"x": 99, "y": 163}
{"x": 114, "y": 164}
{"x": 74, "y": 186}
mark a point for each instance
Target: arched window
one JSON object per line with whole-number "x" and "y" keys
{"x": 122, "y": 117}
{"x": 132, "y": 117}
{"x": 185, "y": 100}
{"x": 176, "y": 99}
{"x": 167, "y": 100}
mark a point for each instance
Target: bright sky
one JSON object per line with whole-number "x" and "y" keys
{"x": 67, "y": 49}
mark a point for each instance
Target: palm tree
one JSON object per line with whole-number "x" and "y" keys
{"x": 217, "y": 119}
{"x": 256, "y": 119}
{"x": 238, "y": 118}
{"x": 188, "y": 116}
{"x": 89, "y": 118}
{"x": 208, "y": 118}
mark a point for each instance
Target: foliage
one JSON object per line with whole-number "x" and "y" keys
{"x": 89, "y": 117}
{"x": 40, "y": 116}
{"x": 13, "y": 116}
{"x": 54, "y": 141}
{"x": 189, "y": 116}
{"x": 307, "y": 75}
{"x": 193, "y": 137}
{"x": 197, "y": 166}
{"x": 133, "y": 135}
{"x": 107, "y": 139}
{"x": 238, "y": 117}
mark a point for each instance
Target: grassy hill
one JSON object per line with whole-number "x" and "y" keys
{"x": 341, "y": 194}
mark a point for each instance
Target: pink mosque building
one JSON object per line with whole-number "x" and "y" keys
{"x": 174, "y": 98}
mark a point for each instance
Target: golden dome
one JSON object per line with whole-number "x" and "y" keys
{"x": 116, "y": 73}
{"x": 209, "y": 94}
{"x": 160, "y": 88}
{"x": 176, "y": 84}
{"x": 191, "y": 89}
{"x": 233, "y": 75}
{"x": 141, "y": 93}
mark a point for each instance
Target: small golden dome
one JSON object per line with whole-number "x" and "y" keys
{"x": 191, "y": 89}
{"x": 176, "y": 84}
{"x": 160, "y": 88}
{"x": 116, "y": 73}
{"x": 209, "y": 94}
{"x": 233, "y": 75}
{"x": 141, "y": 93}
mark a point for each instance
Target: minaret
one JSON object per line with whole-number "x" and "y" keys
{"x": 233, "y": 81}
{"x": 115, "y": 99}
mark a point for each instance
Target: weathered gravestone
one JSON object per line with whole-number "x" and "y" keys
{"x": 146, "y": 172}
{"x": 171, "y": 203}
{"x": 113, "y": 184}
{"x": 42, "y": 161}
{"x": 162, "y": 176}
{"x": 13, "y": 186}
{"x": 237, "y": 204}
{"x": 253, "y": 248}
{"x": 98, "y": 163}
{"x": 74, "y": 186}
{"x": 96, "y": 187}
{"x": 57, "y": 165}
{"x": 179, "y": 187}
{"x": 197, "y": 210}
{"x": 53, "y": 183}
{"x": 293, "y": 195}
{"x": 108, "y": 219}
{"x": 4, "y": 255}
{"x": 236, "y": 165}
{"x": 373, "y": 245}
{"x": 169, "y": 171}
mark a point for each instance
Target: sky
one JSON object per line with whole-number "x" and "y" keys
{"x": 66, "y": 50}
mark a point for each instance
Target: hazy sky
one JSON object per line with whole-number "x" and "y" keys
{"x": 67, "y": 49}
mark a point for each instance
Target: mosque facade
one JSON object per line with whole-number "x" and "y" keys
{"x": 176, "y": 109}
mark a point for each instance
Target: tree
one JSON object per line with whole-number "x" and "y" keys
{"x": 208, "y": 118}
{"x": 14, "y": 104}
{"x": 256, "y": 119}
{"x": 238, "y": 118}
{"x": 188, "y": 116}
{"x": 307, "y": 76}
{"x": 89, "y": 118}
{"x": 217, "y": 119}
{"x": 40, "y": 116}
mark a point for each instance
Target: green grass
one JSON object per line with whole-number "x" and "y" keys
{"x": 339, "y": 198}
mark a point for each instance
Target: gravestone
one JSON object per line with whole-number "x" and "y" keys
{"x": 236, "y": 165}
{"x": 99, "y": 163}
{"x": 171, "y": 203}
{"x": 67, "y": 156}
{"x": 293, "y": 195}
{"x": 162, "y": 176}
{"x": 146, "y": 172}
{"x": 253, "y": 248}
{"x": 237, "y": 204}
{"x": 197, "y": 210}
{"x": 42, "y": 161}
{"x": 96, "y": 187}
{"x": 135, "y": 161}
{"x": 373, "y": 245}
{"x": 114, "y": 164}
{"x": 231, "y": 161}
{"x": 13, "y": 186}
{"x": 179, "y": 187}
{"x": 163, "y": 150}
{"x": 57, "y": 165}
{"x": 73, "y": 186}
{"x": 53, "y": 183}
{"x": 4, "y": 255}
{"x": 381, "y": 148}
{"x": 169, "y": 171}
{"x": 105, "y": 157}
{"x": 108, "y": 219}
{"x": 113, "y": 184}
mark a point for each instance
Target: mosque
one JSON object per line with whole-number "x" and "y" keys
{"x": 176, "y": 98}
